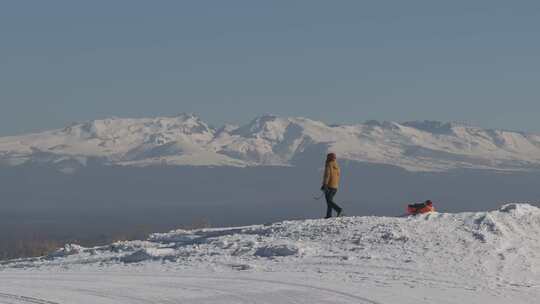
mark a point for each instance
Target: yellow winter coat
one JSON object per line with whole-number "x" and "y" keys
{"x": 331, "y": 174}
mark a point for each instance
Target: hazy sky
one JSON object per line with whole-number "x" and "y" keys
{"x": 228, "y": 61}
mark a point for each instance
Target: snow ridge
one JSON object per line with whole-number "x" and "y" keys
{"x": 465, "y": 250}
{"x": 270, "y": 140}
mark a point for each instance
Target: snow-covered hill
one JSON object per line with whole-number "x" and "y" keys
{"x": 269, "y": 140}
{"x": 484, "y": 257}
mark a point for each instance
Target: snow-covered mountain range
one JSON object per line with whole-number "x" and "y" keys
{"x": 269, "y": 140}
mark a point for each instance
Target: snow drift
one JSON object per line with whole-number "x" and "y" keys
{"x": 269, "y": 140}
{"x": 483, "y": 250}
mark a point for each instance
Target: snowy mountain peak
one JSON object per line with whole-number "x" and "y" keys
{"x": 187, "y": 116}
{"x": 267, "y": 126}
{"x": 185, "y": 139}
{"x": 388, "y": 125}
{"x": 435, "y": 127}
{"x": 228, "y": 128}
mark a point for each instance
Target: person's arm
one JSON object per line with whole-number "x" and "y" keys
{"x": 326, "y": 177}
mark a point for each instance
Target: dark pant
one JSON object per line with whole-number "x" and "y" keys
{"x": 329, "y": 195}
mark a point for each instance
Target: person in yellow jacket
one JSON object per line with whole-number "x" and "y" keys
{"x": 330, "y": 184}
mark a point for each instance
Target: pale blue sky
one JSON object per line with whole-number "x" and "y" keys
{"x": 228, "y": 61}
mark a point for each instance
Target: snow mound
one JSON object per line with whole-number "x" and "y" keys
{"x": 519, "y": 209}
{"x": 148, "y": 254}
{"x": 67, "y": 250}
{"x": 486, "y": 249}
{"x": 278, "y": 250}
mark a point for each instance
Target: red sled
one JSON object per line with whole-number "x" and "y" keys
{"x": 420, "y": 208}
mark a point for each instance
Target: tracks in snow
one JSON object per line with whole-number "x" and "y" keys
{"x": 143, "y": 288}
{"x": 22, "y": 299}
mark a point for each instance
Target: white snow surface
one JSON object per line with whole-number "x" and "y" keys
{"x": 270, "y": 140}
{"x": 481, "y": 257}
